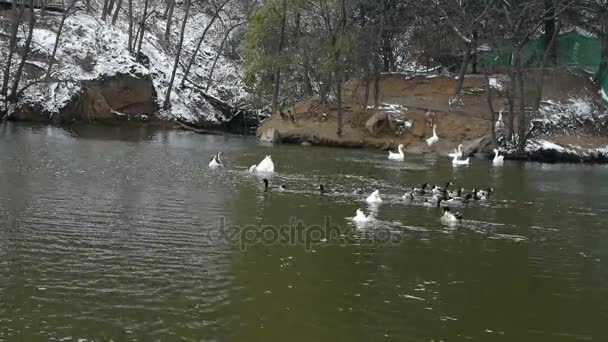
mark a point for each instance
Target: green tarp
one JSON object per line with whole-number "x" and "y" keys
{"x": 575, "y": 51}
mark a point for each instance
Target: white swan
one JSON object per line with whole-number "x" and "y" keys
{"x": 216, "y": 161}
{"x": 360, "y": 217}
{"x": 500, "y": 124}
{"x": 457, "y": 152}
{"x": 458, "y": 162}
{"x": 374, "y": 198}
{"x": 397, "y": 156}
{"x": 498, "y": 159}
{"x": 265, "y": 166}
{"x": 449, "y": 218}
{"x": 434, "y": 139}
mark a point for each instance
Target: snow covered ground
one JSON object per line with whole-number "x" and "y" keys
{"x": 91, "y": 49}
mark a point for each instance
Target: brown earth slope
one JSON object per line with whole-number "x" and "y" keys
{"x": 469, "y": 124}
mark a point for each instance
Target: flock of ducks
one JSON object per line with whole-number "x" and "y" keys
{"x": 425, "y": 194}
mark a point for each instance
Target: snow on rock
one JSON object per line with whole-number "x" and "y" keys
{"x": 576, "y": 112}
{"x": 91, "y": 49}
{"x": 604, "y": 94}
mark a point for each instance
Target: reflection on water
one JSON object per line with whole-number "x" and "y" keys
{"x": 125, "y": 234}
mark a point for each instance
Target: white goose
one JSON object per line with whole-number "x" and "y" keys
{"x": 500, "y": 124}
{"x": 498, "y": 159}
{"x": 374, "y": 198}
{"x": 265, "y": 166}
{"x": 458, "y": 162}
{"x": 360, "y": 217}
{"x": 457, "y": 152}
{"x": 397, "y": 156}
{"x": 434, "y": 139}
{"x": 216, "y": 162}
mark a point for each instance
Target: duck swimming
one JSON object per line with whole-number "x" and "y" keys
{"x": 216, "y": 162}
{"x": 265, "y": 166}
{"x": 374, "y": 198}
{"x": 434, "y": 139}
{"x": 421, "y": 190}
{"x": 397, "y": 156}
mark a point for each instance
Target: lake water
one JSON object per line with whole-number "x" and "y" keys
{"x": 124, "y": 234}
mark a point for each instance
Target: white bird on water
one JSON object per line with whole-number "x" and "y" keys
{"x": 374, "y": 198}
{"x": 360, "y": 217}
{"x": 265, "y": 166}
{"x": 434, "y": 139}
{"x": 397, "y": 156}
{"x": 498, "y": 159}
{"x": 457, "y": 152}
{"x": 450, "y": 219}
{"x": 216, "y": 162}
{"x": 459, "y": 162}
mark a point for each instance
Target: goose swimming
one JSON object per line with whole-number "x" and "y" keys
{"x": 265, "y": 166}
{"x": 498, "y": 159}
{"x": 421, "y": 190}
{"x": 449, "y": 218}
{"x": 459, "y": 162}
{"x": 374, "y": 198}
{"x": 434, "y": 139}
{"x": 456, "y": 153}
{"x": 216, "y": 161}
{"x": 397, "y": 156}
{"x": 360, "y": 217}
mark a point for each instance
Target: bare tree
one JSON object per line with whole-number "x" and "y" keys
{"x": 26, "y": 51}
{"x": 142, "y": 29}
{"x": 200, "y": 41}
{"x": 169, "y": 15}
{"x": 66, "y": 12}
{"x": 217, "y": 55}
{"x": 130, "y": 14}
{"x": 17, "y": 14}
{"x": 167, "y": 102}
{"x": 116, "y": 11}
{"x": 277, "y": 69}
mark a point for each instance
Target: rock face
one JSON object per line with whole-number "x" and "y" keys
{"x": 270, "y": 135}
{"x": 377, "y": 123}
{"x": 107, "y": 100}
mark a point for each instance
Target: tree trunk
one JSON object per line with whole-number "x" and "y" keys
{"x": 491, "y": 110}
{"x": 104, "y": 11}
{"x": 142, "y": 28}
{"x": 200, "y": 42}
{"x": 550, "y": 30}
{"x": 167, "y": 103}
{"x": 59, "y": 30}
{"x": 170, "y": 8}
{"x": 475, "y": 54}
{"x": 463, "y": 70}
{"x": 130, "y": 26}
{"x": 116, "y": 11}
{"x": 367, "y": 80}
{"x": 511, "y": 93}
{"x": 305, "y": 63}
{"x": 277, "y": 71}
{"x": 110, "y": 6}
{"x": 217, "y": 55}
{"x": 549, "y": 51}
{"x": 26, "y": 51}
{"x": 17, "y": 15}
{"x": 339, "y": 98}
{"x": 522, "y": 122}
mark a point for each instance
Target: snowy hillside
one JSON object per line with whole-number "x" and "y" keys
{"x": 92, "y": 49}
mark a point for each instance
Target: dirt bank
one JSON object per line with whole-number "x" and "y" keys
{"x": 409, "y": 98}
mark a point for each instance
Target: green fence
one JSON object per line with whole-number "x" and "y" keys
{"x": 575, "y": 51}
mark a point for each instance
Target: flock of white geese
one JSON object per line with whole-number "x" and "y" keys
{"x": 426, "y": 194}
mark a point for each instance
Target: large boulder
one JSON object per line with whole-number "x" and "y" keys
{"x": 105, "y": 100}
{"x": 270, "y": 135}
{"x": 377, "y": 123}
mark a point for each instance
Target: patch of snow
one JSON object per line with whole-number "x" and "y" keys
{"x": 496, "y": 83}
